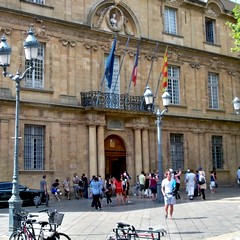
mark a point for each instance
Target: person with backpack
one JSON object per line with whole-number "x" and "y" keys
{"x": 202, "y": 182}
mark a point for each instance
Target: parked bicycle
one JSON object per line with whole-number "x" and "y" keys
{"x": 127, "y": 231}
{"x": 30, "y": 229}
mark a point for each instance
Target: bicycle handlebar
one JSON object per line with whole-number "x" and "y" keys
{"x": 44, "y": 210}
{"x": 31, "y": 215}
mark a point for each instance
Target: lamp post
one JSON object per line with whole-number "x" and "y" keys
{"x": 31, "y": 49}
{"x": 236, "y": 104}
{"x": 166, "y": 98}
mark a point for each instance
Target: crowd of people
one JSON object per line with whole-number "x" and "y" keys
{"x": 119, "y": 186}
{"x": 95, "y": 189}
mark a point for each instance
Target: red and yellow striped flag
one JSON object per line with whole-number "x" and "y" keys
{"x": 165, "y": 71}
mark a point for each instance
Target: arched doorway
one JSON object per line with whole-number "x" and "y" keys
{"x": 115, "y": 155}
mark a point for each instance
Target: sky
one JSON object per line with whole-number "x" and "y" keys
{"x": 236, "y": 1}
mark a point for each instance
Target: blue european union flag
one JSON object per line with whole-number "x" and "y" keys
{"x": 110, "y": 64}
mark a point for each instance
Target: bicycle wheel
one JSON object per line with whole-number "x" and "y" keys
{"x": 21, "y": 236}
{"x": 62, "y": 236}
{"x": 13, "y": 236}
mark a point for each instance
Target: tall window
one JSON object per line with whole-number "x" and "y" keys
{"x": 112, "y": 97}
{"x": 177, "y": 151}
{"x": 170, "y": 20}
{"x": 37, "y": 1}
{"x": 35, "y": 79}
{"x": 213, "y": 90}
{"x": 217, "y": 152}
{"x": 210, "y": 30}
{"x": 173, "y": 84}
{"x": 34, "y": 147}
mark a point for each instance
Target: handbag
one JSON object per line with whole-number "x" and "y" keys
{"x": 202, "y": 181}
{"x": 174, "y": 191}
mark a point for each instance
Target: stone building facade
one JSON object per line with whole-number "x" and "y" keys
{"x": 63, "y": 130}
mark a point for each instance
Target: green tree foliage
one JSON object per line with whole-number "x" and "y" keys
{"x": 235, "y": 27}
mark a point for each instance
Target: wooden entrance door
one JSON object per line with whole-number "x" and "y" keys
{"x": 115, "y": 156}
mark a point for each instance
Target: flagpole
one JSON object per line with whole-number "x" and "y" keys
{"x": 131, "y": 78}
{"x": 111, "y": 55}
{"x": 155, "y": 51}
{"x": 130, "y": 82}
{"x": 154, "y": 55}
{"x": 160, "y": 75}
{"x": 100, "y": 90}
{"x": 121, "y": 63}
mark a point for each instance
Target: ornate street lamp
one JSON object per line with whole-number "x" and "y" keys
{"x": 149, "y": 99}
{"x": 31, "y": 49}
{"x": 236, "y": 104}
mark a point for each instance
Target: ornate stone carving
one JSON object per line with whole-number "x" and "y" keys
{"x": 214, "y": 63}
{"x": 41, "y": 33}
{"x": 131, "y": 54}
{"x": 91, "y": 46}
{"x": 175, "y": 3}
{"x": 115, "y": 19}
{"x": 149, "y": 57}
{"x": 65, "y": 42}
{"x": 6, "y": 30}
{"x": 211, "y": 13}
{"x": 194, "y": 65}
{"x": 126, "y": 29}
{"x": 231, "y": 72}
{"x": 213, "y": 10}
{"x": 174, "y": 55}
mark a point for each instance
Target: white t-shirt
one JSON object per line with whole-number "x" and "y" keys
{"x": 141, "y": 179}
{"x": 168, "y": 185}
{"x": 191, "y": 178}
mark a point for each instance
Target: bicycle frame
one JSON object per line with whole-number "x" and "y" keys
{"x": 125, "y": 231}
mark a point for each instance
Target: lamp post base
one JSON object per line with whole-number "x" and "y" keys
{"x": 15, "y": 204}
{"x": 160, "y": 198}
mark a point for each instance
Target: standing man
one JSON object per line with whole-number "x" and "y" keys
{"x": 43, "y": 188}
{"x": 191, "y": 179}
{"x": 85, "y": 184}
{"x": 168, "y": 184}
{"x": 76, "y": 185}
{"x": 141, "y": 184}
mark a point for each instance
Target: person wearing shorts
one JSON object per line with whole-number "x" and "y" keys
{"x": 167, "y": 188}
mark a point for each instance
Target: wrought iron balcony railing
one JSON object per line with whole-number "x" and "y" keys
{"x": 113, "y": 101}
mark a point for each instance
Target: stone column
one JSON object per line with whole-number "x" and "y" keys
{"x": 145, "y": 150}
{"x": 5, "y": 149}
{"x": 138, "y": 151}
{"x": 92, "y": 151}
{"x": 100, "y": 151}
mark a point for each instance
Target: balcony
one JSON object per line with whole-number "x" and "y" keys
{"x": 113, "y": 101}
